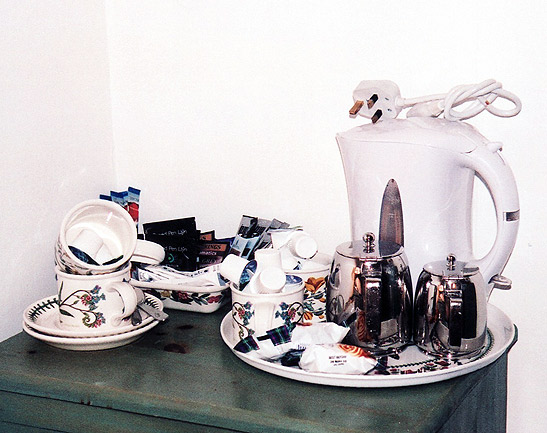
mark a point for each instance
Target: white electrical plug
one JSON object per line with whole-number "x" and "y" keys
{"x": 381, "y": 99}
{"x": 375, "y": 99}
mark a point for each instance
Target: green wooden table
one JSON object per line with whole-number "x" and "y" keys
{"x": 180, "y": 377}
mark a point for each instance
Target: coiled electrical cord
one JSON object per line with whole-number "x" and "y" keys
{"x": 480, "y": 97}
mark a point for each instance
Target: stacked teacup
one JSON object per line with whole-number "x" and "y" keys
{"x": 96, "y": 242}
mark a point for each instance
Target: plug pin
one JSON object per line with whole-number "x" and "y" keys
{"x": 356, "y": 107}
{"x": 372, "y": 100}
{"x": 376, "y": 116}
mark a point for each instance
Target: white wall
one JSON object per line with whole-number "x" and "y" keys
{"x": 55, "y": 136}
{"x": 225, "y": 108}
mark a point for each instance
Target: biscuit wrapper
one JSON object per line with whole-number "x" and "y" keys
{"x": 337, "y": 358}
{"x": 297, "y": 338}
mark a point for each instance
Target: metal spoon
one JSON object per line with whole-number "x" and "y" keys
{"x": 155, "y": 313}
{"x": 136, "y": 318}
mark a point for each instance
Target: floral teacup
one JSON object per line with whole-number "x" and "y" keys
{"x": 91, "y": 302}
{"x": 314, "y": 273}
{"x": 256, "y": 313}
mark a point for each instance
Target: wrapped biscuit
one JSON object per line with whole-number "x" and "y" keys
{"x": 276, "y": 342}
{"x": 337, "y": 358}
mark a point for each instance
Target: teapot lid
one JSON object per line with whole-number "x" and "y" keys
{"x": 366, "y": 249}
{"x": 451, "y": 268}
{"x": 426, "y": 131}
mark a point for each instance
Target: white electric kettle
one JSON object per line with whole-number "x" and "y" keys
{"x": 434, "y": 162}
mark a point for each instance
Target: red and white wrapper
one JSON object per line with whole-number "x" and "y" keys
{"x": 337, "y": 358}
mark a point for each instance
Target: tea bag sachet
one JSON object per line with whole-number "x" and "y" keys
{"x": 251, "y": 229}
{"x": 180, "y": 240}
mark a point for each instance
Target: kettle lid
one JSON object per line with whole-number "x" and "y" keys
{"x": 451, "y": 268}
{"x": 366, "y": 249}
{"x": 426, "y": 131}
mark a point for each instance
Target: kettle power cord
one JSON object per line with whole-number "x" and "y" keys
{"x": 382, "y": 99}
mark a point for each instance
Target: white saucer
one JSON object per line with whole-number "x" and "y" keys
{"x": 412, "y": 368}
{"x": 90, "y": 343}
{"x": 42, "y": 316}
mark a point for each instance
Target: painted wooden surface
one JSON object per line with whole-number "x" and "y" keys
{"x": 181, "y": 377}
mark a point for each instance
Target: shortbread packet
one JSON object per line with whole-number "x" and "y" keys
{"x": 276, "y": 342}
{"x": 337, "y": 358}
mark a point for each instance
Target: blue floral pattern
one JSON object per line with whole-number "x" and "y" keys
{"x": 242, "y": 313}
{"x": 290, "y": 313}
{"x": 84, "y": 303}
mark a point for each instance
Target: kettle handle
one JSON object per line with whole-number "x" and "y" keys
{"x": 497, "y": 176}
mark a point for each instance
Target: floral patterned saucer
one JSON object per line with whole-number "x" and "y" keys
{"x": 411, "y": 367}
{"x": 43, "y": 317}
{"x": 90, "y": 343}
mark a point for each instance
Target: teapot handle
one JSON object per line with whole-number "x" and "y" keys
{"x": 372, "y": 293}
{"x": 497, "y": 176}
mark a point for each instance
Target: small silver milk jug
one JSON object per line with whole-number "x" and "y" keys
{"x": 450, "y": 309}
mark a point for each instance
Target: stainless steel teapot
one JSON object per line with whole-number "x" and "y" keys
{"x": 370, "y": 291}
{"x": 450, "y": 309}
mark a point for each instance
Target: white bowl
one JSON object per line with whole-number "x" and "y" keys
{"x": 202, "y": 299}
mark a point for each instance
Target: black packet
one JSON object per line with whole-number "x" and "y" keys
{"x": 207, "y": 236}
{"x": 212, "y": 252}
{"x": 170, "y": 227}
{"x": 180, "y": 240}
{"x": 180, "y": 252}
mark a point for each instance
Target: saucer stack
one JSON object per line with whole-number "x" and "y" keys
{"x": 96, "y": 307}
{"x": 41, "y": 321}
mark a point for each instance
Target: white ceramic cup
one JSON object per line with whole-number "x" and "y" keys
{"x": 256, "y": 313}
{"x": 91, "y": 302}
{"x": 104, "y": 231}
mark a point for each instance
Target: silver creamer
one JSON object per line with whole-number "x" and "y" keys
{"x": 450, "y": 309}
